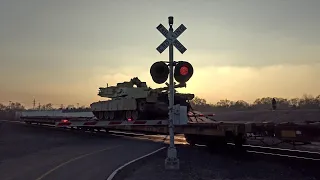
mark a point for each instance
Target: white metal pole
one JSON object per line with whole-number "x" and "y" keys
{"x": 171, "y": 93}
{"x": 172, "y": 162}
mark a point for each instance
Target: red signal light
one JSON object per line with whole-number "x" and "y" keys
{"x": 184, "y": 70}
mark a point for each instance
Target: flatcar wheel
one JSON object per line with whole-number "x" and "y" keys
{"x": 106, "y": 115}
{"x": 190, "y": 139}
{"x": 134, "y": 115}
{"x": 100, "y": 116}
{"x": 128, "y": 115}
{"x": 111, "y": 115}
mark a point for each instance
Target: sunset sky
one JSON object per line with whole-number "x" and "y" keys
{"x": 62, "y": 51}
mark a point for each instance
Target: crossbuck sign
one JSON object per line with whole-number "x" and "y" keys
{"x": 171, "y": 38}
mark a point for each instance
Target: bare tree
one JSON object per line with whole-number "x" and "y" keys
{"x": 70, "y": 106}
{"x": 2, "y": 107}
{"x": 48, "y": 106}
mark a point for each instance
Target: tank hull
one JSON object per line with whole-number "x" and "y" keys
{"x": 135, "y": 109}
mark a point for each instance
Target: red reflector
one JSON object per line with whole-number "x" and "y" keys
{"x": 64, "y": 121}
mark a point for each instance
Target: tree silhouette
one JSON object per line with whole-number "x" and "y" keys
{"x": 48, "y": 106}
{"x": 70, "y": 107}
{"x": 241, "y": 104}
{"x": 198, "y": 101}
{"x": 2, "y": 107}
{"x": 15, "y": 106}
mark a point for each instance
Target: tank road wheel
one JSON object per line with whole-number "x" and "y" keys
{"x": 111, "y": 115}
{"x": 141, "y": 109}
{"x": 122, "y": 115}
{"x": 141, "y": 106}
{"x": 96, "y": 114}
{"x": 106, "y": 115}
{"x": 134, "y": 115}
{"x": 128, "y": 115}
{"x": 100, "y": 115}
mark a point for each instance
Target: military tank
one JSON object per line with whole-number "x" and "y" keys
{"x": 136, "y": 101}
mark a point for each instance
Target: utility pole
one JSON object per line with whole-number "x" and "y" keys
{"x": 10, "y": 105}
{"x": 34, "y": 104}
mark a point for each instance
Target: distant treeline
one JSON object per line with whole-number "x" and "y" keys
{"x": 8, "y": 112}
{"x": 16, "y": 106}
{"x": 305, "y": 102}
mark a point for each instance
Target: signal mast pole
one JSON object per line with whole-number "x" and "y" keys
{"x": 171, "y": 162}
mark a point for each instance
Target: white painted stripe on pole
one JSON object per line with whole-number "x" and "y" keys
{"x": 130, "y": 162}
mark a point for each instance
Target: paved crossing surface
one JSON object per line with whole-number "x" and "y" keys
{"x": 34, "y": 153}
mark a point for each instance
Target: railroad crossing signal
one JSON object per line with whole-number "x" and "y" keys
{"x": 171, "y": 38}
{"x": 159, "y": 72}
{"x": 183, "y": 71}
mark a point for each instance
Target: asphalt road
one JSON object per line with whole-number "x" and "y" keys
{"x": 201, "y": 164}
{"x": 37, "y": 153}
{"x": 34, "y": 153}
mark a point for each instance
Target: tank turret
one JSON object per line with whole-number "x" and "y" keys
{"x": 134, "y": 88}
{"x": 135, "y": 100}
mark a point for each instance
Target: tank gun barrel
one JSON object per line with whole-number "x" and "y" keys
{"x": 175, "y": 86}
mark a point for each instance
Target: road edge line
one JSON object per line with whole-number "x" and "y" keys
{"x": 112, "y": 175}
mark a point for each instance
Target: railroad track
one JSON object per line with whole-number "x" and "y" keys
{"x": 229, "y": 148}
{"x": 281, "y": 152}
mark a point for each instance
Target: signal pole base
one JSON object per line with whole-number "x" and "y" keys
{"x": 172, "y": 162}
